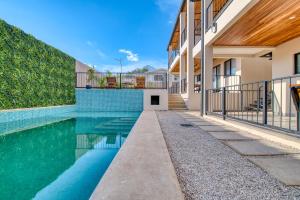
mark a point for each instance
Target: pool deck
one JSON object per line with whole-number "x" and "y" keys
{"x": 142, "y": 168}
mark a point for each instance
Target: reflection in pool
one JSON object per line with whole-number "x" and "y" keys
{"x": 62, "y": 160}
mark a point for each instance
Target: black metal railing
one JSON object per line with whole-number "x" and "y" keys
{"x": 197, "y": 83}
{"x": 266, "y": 103}
{"x": 172, "y": 55}
{"x": 183, "y": 86}
{"x": 197, "y": 32}
{"x": 214, "y": 10}
{"x": 183, "y": 36}
{"x": 150, "y": 80}
{"x": 220, "y": 81}
{"x": 174, "y": 88}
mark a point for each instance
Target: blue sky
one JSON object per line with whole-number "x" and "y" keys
{"x": 98, "y": 31}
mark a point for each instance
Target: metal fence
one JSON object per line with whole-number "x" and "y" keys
{"x": 174, "y": 88}
{"x": 183, "y": 36}
{"x": 172, "y": 55}
{"x": 183, "y": 86}
{"x": 122, "y": 80}
{"x": 220, "y": 81}
{"x": 267, "y": 103}
{"x": 197, "y": 32}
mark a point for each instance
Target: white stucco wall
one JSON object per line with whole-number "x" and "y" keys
{"x": 283, "y": 58}
{"x": 163, "y": 98}
{"x": 255, "y": 69}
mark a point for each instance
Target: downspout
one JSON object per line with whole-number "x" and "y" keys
{"x": 202, "y": 57}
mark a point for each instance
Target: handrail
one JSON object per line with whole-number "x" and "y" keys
{"x": 183, "y": 36}
{"x": 215, "y": 10}
{"x": 172, "y": 55}
{"x": 197, "y": 32}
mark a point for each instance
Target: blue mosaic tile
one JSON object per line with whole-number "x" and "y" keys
{"x": 109, "y": 100}
{"x": 23, "y": 114}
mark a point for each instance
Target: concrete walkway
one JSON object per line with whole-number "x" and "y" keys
{"x": 208, "y": 167}
{"x": 142, "y": 170}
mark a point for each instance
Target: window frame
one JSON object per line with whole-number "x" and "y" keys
{"x": 296, "y": 55}
{"x": 230, "y": 61}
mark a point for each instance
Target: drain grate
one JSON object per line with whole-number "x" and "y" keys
{"x": 186, "y": 125}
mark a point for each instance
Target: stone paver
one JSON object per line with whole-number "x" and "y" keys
{"x": 284, "y": 168}
{"x": 207, "y": 169}
{"x": 217, "y": 128}
{"x": 203, "y": 123}
{"x": 233, "y": 136}
{"x": 259, "y": 148}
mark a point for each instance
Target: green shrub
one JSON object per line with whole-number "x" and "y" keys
{"x": 32, "y": 73}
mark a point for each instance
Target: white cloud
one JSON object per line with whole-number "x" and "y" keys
{"x": 133, "y": 57}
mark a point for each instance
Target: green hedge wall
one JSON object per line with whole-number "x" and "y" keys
{"x": 32, "y": 73}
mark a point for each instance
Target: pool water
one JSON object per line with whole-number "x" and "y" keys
{"x": 61, "y": 160}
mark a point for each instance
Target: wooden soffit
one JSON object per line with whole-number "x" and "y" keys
{"x": 268, "y": 23}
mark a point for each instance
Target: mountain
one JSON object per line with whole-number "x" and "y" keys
{"x": 147, "y": 68}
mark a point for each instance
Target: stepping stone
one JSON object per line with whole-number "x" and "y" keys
{"x": 284, "y": 168}
{"x": 233, "y": 136}
{"x": 217, "y": 128}
{"x": 203, "y": 123}
{"x": 259, "y": 148}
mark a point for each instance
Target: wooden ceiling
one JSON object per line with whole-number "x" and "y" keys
{"x": 197, "y": 10}
{"x": 197, "y": 66}
{"x": 268, "y": 23}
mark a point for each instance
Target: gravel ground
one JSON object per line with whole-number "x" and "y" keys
{"x": 207, "y": 169}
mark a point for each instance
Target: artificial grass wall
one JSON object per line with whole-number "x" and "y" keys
{"x": 32, "y": 73}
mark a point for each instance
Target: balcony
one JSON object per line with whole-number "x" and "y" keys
{"x": 197, "y": 32}
{"x": 183, "y": 86}
{"x": 214, "y": 11}
{"x": 172, "y": 55}
{"x": 183, "y": 36}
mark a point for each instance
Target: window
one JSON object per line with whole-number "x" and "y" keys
{"x": 198, "y": 78}
{"x": 217, "y": 76}
{"x": 297, "y": 63}
{"x": 230, "y": 67}
{"x": 158, "y": 78}
{"x": 154, "y": 100}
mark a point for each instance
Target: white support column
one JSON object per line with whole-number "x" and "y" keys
{"x": 190, "y": 46}
{"x": 182, "y": 62}
{"x": 208, "y": 66}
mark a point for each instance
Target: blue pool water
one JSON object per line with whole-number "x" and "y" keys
{"x": 59, "y": 157}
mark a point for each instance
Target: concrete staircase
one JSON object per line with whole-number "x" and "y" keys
{"x": 176, "y": 102}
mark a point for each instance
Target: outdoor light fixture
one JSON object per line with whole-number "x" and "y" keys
{"x": 214, "y": 27}
{"x": 292, "y": 17}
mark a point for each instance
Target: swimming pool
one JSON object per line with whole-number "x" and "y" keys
{"x": 64, "y": 158}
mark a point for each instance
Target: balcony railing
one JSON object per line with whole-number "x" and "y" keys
{"x": 197, "y": 32}
{"x": 172, "y": 55}
{"x": 174, "y": 88}
{"x": 183, "y": 86}
{"x": 215, "y": 10}
{"x": 183, "y": 36}
{"x": 197, "y": 83}
{"x": 224, "y": 81}
{"x": 268, "y": 103}
{"x": 150, "y": 80}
